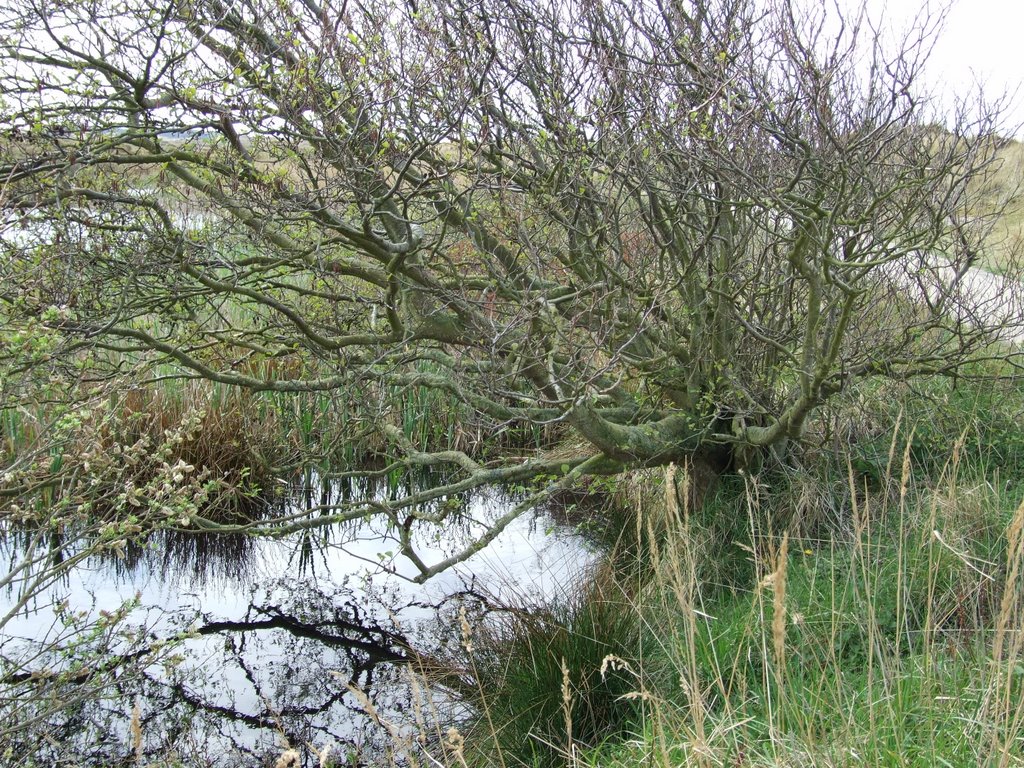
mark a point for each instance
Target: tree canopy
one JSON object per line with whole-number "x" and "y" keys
{"x": 673, "y": 229}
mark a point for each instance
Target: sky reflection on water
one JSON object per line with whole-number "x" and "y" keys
{"x": 285, "y": 625}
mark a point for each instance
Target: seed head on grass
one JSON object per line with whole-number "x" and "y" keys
{"x": 779, "y": 605}
{"x": 136, "y": 729}
{"x": 467, "y": 630}
{"x": 457, "y": 745}
{"x": 567, "y": 707}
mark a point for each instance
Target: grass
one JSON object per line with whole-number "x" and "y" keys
{"x": 826, "y": 616}
{"x": 541, "y": 680}
{"x": 898, "y": 644}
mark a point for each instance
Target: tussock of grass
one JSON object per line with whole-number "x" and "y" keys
{"x": 539, "y": 679}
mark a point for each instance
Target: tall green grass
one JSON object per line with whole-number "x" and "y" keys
{"x": 895, "y": 642}
{"x": 539, "y": 681}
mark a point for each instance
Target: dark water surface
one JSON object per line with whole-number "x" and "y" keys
{"x": 282, "y": 630}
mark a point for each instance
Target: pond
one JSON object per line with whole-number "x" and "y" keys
{"x": 280, "y": 642}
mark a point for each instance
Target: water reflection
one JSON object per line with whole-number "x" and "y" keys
{"x": 272, "y": 633}
{"x": 280, "y": 673}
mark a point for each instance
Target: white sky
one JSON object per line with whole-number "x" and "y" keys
{"x": 982, "y": 43}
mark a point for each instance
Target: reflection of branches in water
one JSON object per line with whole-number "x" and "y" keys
{"x": 297, "y": 723}
{"x": 194, "y": 556}
{"x": 282, "y": 669}
{"x": 284, "y": 666}
{"x": 60, "y": 695}
{"x": 377, "y": 643}
{"x": 301, "y": 694}
{"x": 287, "y": 665}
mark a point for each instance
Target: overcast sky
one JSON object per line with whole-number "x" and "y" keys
{"x": 982, "y": 42}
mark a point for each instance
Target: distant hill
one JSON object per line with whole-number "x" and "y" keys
{"x": 1003, "y": 192}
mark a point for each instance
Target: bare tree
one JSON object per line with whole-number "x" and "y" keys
{"x": 674, "y": 228}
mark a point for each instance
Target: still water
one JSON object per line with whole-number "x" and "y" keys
{"x": 285, "y": 636}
